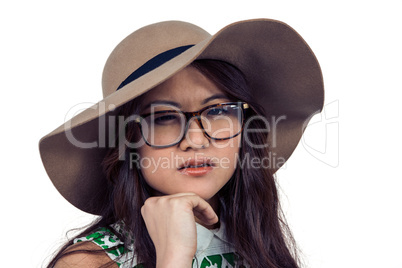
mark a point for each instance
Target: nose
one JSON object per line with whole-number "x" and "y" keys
{"x": 194, "y": 137}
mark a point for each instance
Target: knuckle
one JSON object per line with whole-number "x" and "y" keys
{"x": 173, "y": 201}
{"x": 176, "y": 202}
{"x": 149, "y": 202}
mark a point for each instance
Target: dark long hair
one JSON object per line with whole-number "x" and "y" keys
{"x": 249, "y": 202}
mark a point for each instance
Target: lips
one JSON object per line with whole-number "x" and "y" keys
{"x": 196, "y": 167}
{"x": 196, "y": 163}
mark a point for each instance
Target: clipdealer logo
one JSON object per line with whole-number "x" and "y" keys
{"x": 321, "y": 138}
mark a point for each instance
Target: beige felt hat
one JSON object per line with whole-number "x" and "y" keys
{"x": 282, "y": 71}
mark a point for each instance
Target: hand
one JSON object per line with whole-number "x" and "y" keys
{"x": 171, "y": 225}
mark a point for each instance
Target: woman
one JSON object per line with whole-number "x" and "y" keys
{"x": 178, "y": 158}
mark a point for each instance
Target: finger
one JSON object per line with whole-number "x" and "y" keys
{"x": 202, "y": 209}
{"x": 181, "y": 194}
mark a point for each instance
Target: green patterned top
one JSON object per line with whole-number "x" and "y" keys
{"x": 213, "y": 249}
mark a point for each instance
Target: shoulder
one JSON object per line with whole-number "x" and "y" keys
{"x": 82, "y": 258}
{"x": 101, "y": 247}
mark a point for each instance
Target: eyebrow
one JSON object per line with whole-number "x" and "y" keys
{"x": 173, "y": 103}
{"x": 216, "y": 96}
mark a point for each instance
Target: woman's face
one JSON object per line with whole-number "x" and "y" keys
{"x": 196, "y": 164}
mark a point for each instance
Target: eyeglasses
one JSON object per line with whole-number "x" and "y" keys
{"x": 167, "y": 128}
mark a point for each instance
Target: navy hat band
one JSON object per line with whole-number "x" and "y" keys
{"x": 154, "y": 63}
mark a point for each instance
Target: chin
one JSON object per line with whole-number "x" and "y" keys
{"x": 206, "y": 195}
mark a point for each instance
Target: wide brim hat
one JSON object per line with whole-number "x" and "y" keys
{"x": 283, "y": 74}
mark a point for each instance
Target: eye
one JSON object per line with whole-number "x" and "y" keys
{"x": 216, "y": 111}
{"x": 165, "y": 119}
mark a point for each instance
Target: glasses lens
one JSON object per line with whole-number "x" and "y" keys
{"x": 222, "y": 121}
{"x": 161, "y": 129}
{"x": 166, "y": 128}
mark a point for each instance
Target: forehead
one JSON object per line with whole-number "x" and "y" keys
{"x": 189, "y": 88}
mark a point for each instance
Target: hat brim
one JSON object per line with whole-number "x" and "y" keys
{"x": 283, "y": 73}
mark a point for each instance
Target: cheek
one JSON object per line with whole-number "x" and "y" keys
{"x": 154, "y": 162}
{"x": 227, "y": 153}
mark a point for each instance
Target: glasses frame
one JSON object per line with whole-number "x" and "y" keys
{"x": 189, "y": 115}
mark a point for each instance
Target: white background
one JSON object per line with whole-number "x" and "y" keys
{"x": 341, "y": 188}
